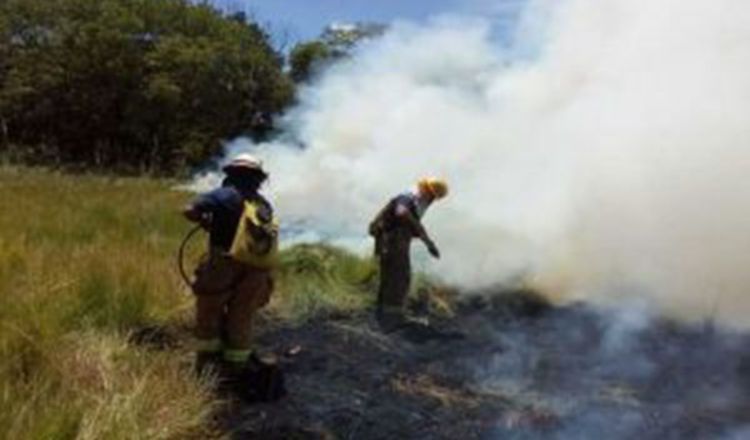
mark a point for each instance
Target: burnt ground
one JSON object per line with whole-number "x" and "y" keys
{"x": 506, "y": 367}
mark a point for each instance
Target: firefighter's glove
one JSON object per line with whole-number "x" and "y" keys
{"x": 432, "y": 249}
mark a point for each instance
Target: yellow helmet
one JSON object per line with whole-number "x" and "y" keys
{"x": 438, "y": 188}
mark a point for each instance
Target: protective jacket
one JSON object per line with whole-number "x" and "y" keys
{"x": 387, "y": 219}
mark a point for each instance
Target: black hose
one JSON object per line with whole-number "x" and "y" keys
{"x": 181, "y": 253}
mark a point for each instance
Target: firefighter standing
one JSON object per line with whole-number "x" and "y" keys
{"x": 393, "y": 229}
{"x": 230, "y": 290}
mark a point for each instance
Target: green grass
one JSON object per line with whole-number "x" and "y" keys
{"x": 84, "y": 260}
{"x": 320, "y": 280}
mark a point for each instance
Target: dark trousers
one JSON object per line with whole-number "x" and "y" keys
{"x": 395, "y": 269}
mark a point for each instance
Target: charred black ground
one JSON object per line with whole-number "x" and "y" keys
{"x": 506, "y": 366}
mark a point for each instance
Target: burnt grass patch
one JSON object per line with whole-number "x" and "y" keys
{"x": 504, "y": 365}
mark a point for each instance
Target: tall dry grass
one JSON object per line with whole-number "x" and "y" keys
{"x": 85, "y": 260}
{"x": 319, "y": 280}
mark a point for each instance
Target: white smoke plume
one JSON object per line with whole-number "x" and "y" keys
{"x": 601, "y": 152}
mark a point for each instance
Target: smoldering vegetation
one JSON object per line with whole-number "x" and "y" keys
{"x": 617, "y": 375}
{"x": 508, "y": 365}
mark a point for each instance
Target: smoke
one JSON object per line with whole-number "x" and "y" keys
{"x": 598, "y": 149}
{"x": 583, "y": 373}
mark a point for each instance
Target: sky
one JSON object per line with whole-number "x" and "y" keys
{"x": 298, "y": 20}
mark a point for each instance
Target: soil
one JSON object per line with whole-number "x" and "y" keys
{"x": 505, "y": 366}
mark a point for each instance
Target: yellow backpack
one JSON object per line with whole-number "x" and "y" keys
{"x": 256, "y": 242}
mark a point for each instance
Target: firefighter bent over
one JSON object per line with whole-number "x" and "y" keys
{"x": 234, "y": 280}
{"x": 393, "y": 229}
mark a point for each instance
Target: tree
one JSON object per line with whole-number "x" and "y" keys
{"x": 306, "y": 58}
{"x": 343, "y": 37}
{"x": 133, "y": 83}
{"x": 4, "y": 66}
{"x": 337, "y": 41}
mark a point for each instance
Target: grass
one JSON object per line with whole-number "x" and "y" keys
{"x": 320, "y": 280}
{"x": 84, "y": 261}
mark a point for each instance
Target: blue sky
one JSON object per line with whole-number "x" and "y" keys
{"x": 304, "y": 19}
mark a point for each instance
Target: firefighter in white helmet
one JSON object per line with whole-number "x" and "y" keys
{"x": 230, "y": 286}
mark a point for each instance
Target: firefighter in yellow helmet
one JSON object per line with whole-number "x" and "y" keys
{"x": 393, "y": 228}
{"x": 229, "y": 290}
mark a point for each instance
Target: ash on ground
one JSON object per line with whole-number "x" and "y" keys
{"x": 506, "y": 366}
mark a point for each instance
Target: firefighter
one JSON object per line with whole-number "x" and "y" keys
{"x": 229, "y": 289}
{"x": 393, "y": 228}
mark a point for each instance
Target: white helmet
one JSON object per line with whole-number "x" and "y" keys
{"x": 245, "y": 160}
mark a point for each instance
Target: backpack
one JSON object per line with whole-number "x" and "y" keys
{"x": 256, "y": 241}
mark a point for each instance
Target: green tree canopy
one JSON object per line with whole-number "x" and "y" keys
{"x": 335, "y": 42}
{"x": 152, "y": 84}
{"x": 306, "y": 57}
